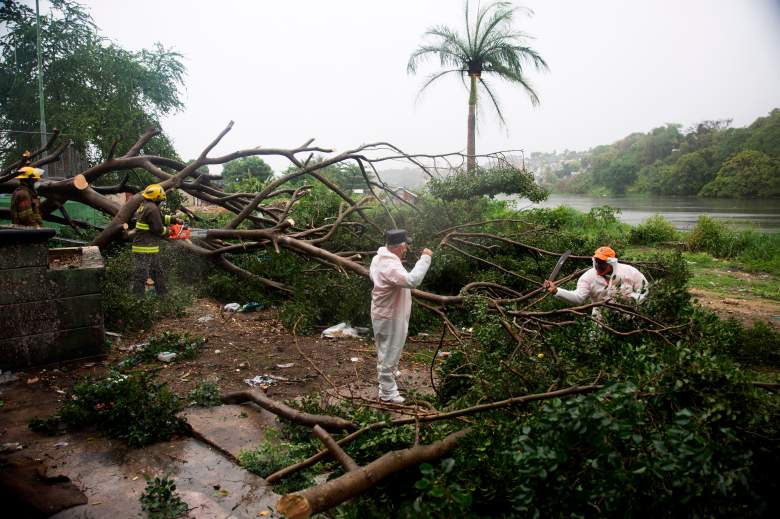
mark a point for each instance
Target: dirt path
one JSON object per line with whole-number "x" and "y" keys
{"x": 745, "y": 309}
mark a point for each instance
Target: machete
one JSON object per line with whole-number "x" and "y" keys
{"x": 557, "y": 269}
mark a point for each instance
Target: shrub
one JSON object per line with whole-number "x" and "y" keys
{"x": 654, "y": 230}
{"x": 710, "y": 235}
{"x": 131, "y": 407}
{"x": 205, "y": 394}
{"x": 160, "y": 499}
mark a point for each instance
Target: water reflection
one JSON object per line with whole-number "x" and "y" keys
{"x": 683, "y": 212}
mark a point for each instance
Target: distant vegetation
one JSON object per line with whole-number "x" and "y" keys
{"x": 711, "y": 159}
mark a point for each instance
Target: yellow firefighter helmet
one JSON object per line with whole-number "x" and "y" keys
{"x": 154, "y": 192}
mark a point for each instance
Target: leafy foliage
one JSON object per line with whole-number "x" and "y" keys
{"x": 123, "y": 310}
{"x": 654, "y": 230}
{"x": 205, "y": 394}
{"x": 489, "y": 182}
{"x": 96, "y": 91}
{"x": 246, "y": 174}
{"x": 709, "y": 159}
{"x": 160, "y": 499}
{"x": 131, "y": 407}
{"x": 183, "y": 345}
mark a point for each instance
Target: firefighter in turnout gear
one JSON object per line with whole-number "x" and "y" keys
{"x": 150, "y": 227}
{"x": 25, "y": 204}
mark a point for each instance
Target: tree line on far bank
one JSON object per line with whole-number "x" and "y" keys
{"x": 711, "y": 159}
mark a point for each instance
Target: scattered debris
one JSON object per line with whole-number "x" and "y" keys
{"x": 251, "y": 307}
{"x": 243, "y": 365}
{"x": 340, "y": 330}
{"x": 134, "y": 347}
{"x": 114, "y": 335}
{"x": 11, "y": 447}
{"x": 7, "y": 376}
{"x": 59, "y": 445}
{"x": 262, "y": 381}
{"x": 443, "y": 354}
{"x": 285, "y": 366}
{"x": 206, "y": 318}
{"x": 217, "y": 351}
{"x": 354, "y": 359}
{"x": 166, "y": 356}
{"x": 33, "y": 380}
{"x": 232, "y": 307}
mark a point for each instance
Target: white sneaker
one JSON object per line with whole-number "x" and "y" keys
{"x": 395, "y": 400}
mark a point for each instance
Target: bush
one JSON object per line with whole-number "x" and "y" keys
{"x": 123, "y": 310}
{"x": 275, "y": 454}
{"x": 205, "y": 394}
{"x": 160, "y": 499}
{"x": 710, "y": 235}
{"x": 654, "y": 230}
{"x": 131, "y": 407}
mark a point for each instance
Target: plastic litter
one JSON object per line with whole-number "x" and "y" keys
{"x": 443, "y": 354}
{"x": 61, "y": 444}
{"x": 340, "y": 330}
{"x": 262, "y": 381}
{"x": 166, "y": 356}
{"x": 354, "y": 359}
{"x": 206, "y": 318}
{"x": 7, "y": 376}
{"x": 288, "y": 365}
{"x": 232, "y": 307}
{"x": 251, "y": 307}
{"x": 11, "y": 447}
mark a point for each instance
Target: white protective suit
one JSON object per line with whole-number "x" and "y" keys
{"x": 391, "y": 306}
{"x": 625, "y": 280}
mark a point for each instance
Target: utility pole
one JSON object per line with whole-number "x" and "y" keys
{"x": 40, "y": 74}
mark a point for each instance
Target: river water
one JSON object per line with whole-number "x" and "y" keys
{"x": 763, "y": 215}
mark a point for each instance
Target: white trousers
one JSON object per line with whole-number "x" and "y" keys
{"x": 390, "y": 336}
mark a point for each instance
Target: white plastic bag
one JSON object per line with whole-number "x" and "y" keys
{"x": 232, "y": 307}
{"x": 340, "y": 330}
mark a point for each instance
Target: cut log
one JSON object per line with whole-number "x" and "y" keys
{"x": 338, "y": 453}
{"x": 332, "y": 493}
{"x": 331, "y": 423}
{"x": 80, "y": 182}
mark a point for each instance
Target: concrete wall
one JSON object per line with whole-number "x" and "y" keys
{"x": 49, "y": 314}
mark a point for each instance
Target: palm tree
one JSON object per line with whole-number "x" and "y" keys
{"x": 491, "y": 46}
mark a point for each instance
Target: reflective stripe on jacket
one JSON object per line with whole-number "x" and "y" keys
{"x": 149, "y": 228}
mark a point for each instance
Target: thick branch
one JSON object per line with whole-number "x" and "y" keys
{"x": 333, "y": 423}
{"x": 332, "y": 493}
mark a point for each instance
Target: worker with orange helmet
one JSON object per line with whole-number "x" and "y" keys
{"x": 25, "y": 203}
{"x": 607, "y": 280}
{"x": 150, "y": 227}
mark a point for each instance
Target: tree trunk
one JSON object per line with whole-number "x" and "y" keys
{"x": 471, "y": 160}
{"x": 332, "y": 493}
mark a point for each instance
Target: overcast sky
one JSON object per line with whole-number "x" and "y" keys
{"x": 288, "y": 70}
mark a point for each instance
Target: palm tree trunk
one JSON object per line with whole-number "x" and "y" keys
{"x": 471, "y": 160}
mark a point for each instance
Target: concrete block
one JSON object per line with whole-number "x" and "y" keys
{"x": 28, "y": 319}
{"x": 48, "y": 348}
{"x": 74, "y": 282}
{"x": 18, "y": 255}
{"x": 23, "y": 285}
{"x": 77, "y": 312}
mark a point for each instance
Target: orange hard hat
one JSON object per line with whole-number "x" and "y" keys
{"x": 604, "y": 253}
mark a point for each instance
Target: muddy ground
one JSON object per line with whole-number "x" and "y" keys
{"x": 238, "y": 346}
